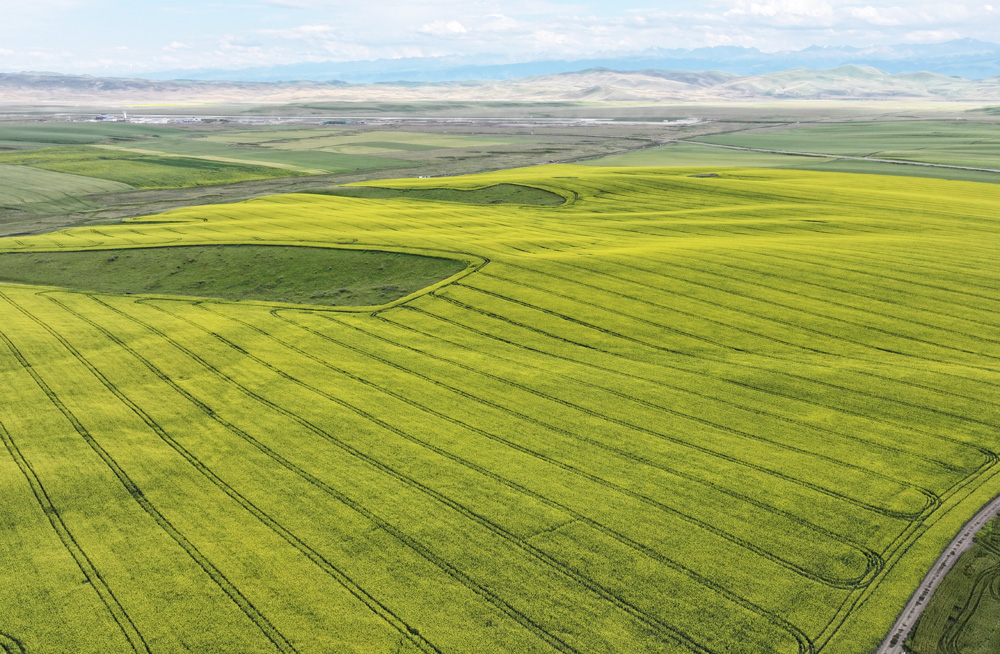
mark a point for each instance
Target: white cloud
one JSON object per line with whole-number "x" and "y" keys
{"x": 872, "y": 15}
{"x": 345, "y": 51}
{"x": 794, "y": 11}
{"x": 301, "y": 4}
{"x": 931, "y": 36}
{"x": 268, "y": 32}
{"x": 498, "y": 23}
{"x": 443, "y": 28}
{"x": 549, "y": 38}
{"x": 302, "y": 31}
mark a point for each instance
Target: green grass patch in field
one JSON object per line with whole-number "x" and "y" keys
{"x": 497, "y": 194}
{"x": 268, "y": 134}
{"x": 144, "y": 171}
{"x": 398, "y": 145}
{"x": 34, "y": 189}
{"x": 305, "y": 159}
{"x": 388, "y": 140}
{"x": 302, "y": 275}
{"x": 78, "y": 133}
{"x": 958, "y": 143}
{"x": 688, "y": 154}
{"x": 963, "y": 615}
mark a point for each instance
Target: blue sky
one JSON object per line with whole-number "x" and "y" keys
{"x": 119, "y": 37}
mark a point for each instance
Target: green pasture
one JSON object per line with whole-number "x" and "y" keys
{"x": 141, "y": 170}
{"x": 48, "y": 134}
{"x": 496, "y": 194}
{"x": 690, "y": 154}
{"x": 305, "y": 160}
{"x": 33, "y": 189}
{"x": 963, "y": 615}
{"x": 390, "y": 140}
{"x": 336, "y": 150}
{"x": 309, "y": 275}
{"x": 956, "y": 142}
{"x": 677, "y": 413}
{"x": 687, "y": 154}
{"x": 274, "y": 133}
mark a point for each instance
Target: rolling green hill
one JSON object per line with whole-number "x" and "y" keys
{"x": 142, "y": 170}
{"x": 24, "y": 187}
{"x": 679, "y": 413}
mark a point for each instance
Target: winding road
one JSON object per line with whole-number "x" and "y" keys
{"x": 893, "y": 643}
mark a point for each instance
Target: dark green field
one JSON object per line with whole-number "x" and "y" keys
{"x": 304, "y": 275}
{"x": 316, "y": 161}
{"x": 143, "y": 171}
{"x": 48, "y": 133}
{"x": 500, "y": 193}
{"x": 694, "y": 154}
{"x": 42, "y": 191}
{"x": 963, "y": 616}
{"x": 955, "y": 142}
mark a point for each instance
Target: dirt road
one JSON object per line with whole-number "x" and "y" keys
{"x": 893, "y": 643}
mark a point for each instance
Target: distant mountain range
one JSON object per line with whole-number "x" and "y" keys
{"x": 596, "y": 84}
{"x": 966, "y": 58}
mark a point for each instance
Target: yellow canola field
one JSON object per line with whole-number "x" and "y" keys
{"x": 731, "y": 414}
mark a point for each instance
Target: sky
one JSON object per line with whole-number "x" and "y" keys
{"x": 116, "y": 37}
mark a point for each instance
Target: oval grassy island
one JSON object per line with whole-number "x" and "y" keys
{"x": 275, "y": 273}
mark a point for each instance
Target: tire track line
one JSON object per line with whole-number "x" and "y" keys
{"x": 315, "y": 557}
{"x": 687, "y": 476}
{"x": 505, "y": 535}
{"x": 681, "y": 389}
{"x": 407, "y": 541}
{"x": 136, "y": 493}
{"x": 792, "y": 325}
{"x": 874, "y": 561}
{"x": 791, "y": 282}
{"x": 803, "y": 640}
{"x": 708, "y": 374}
{"x": 931, "y": 499}
{"x": 773, "y": 371}
{"x": 118, "y": 613}
{"x": 909, "y": 282}
{"x": 861, "y": 372}
{"x": 646, "y": 271}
